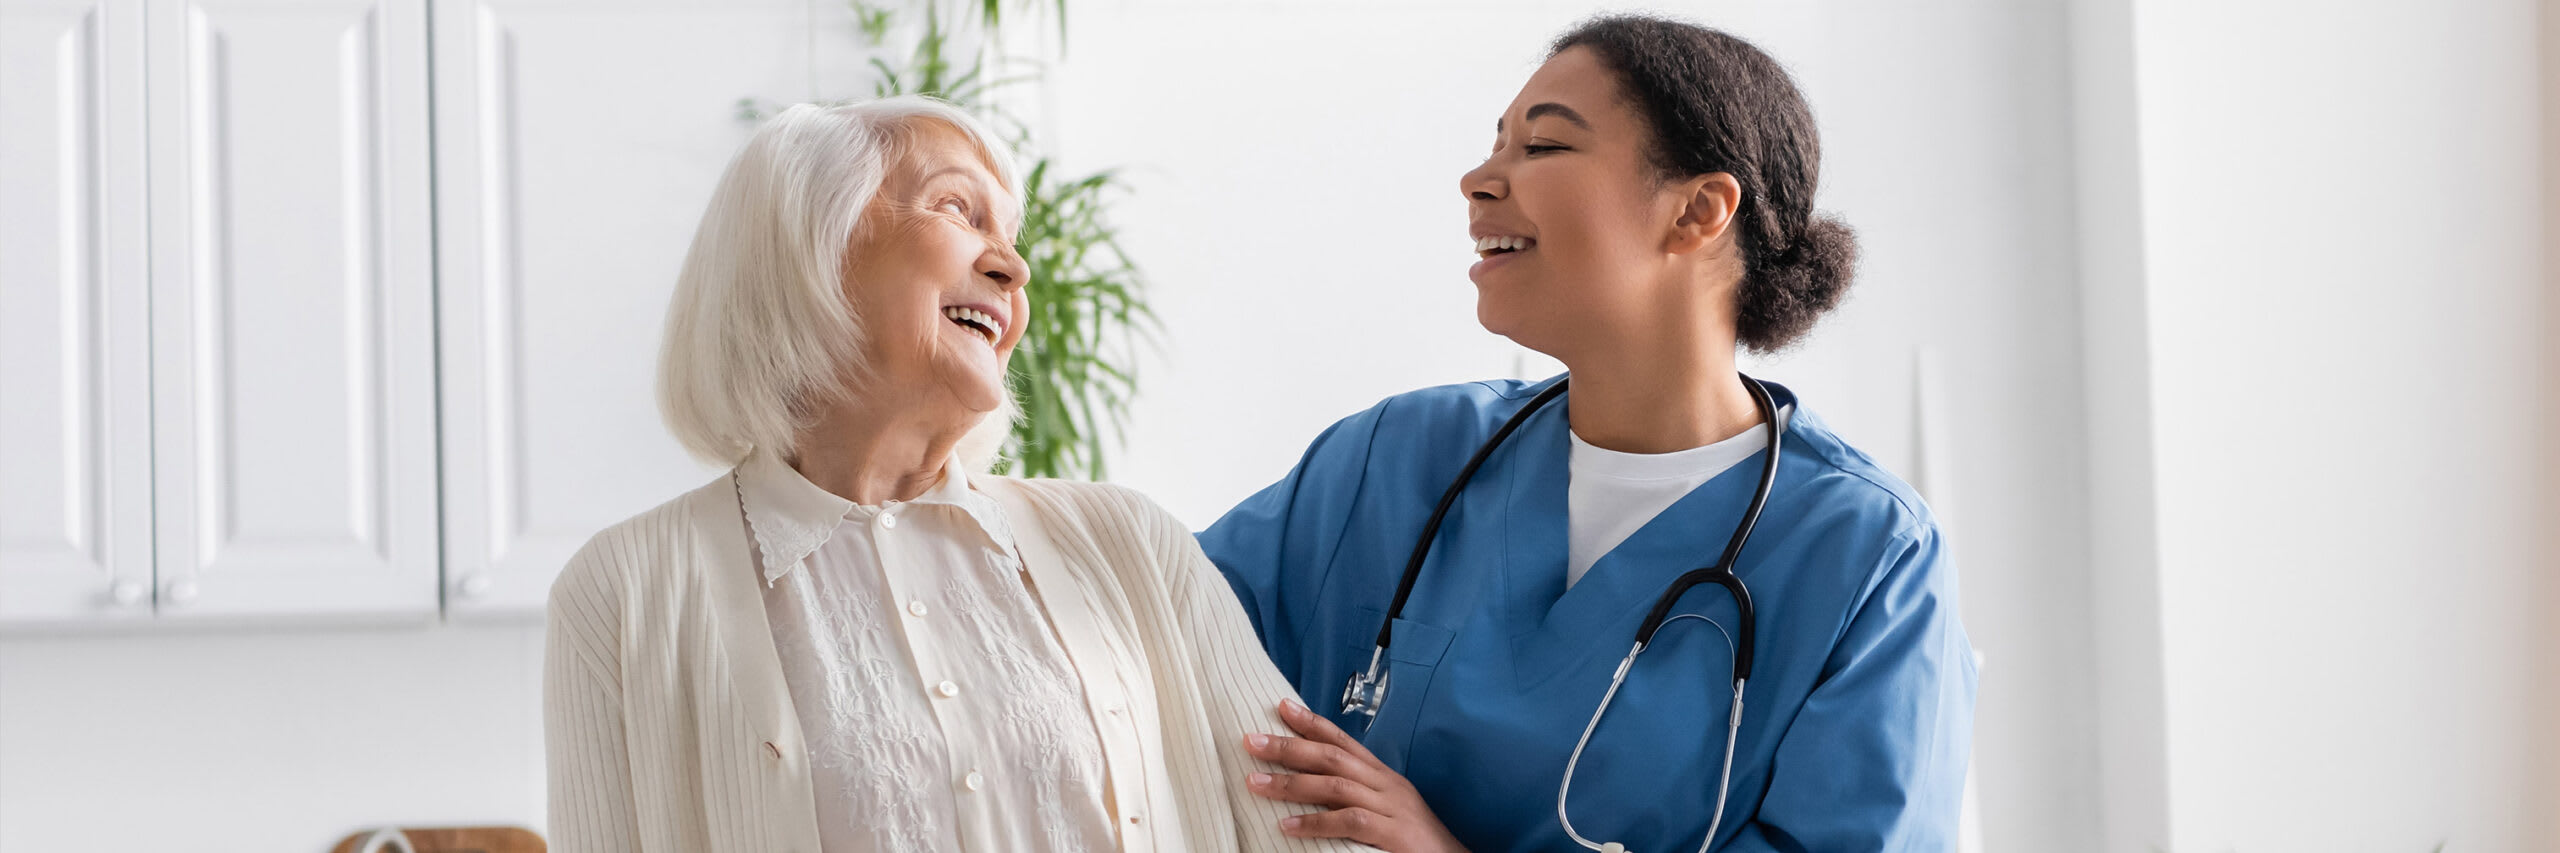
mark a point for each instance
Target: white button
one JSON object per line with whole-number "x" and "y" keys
{"x": 1117, "y": 709}
{"x": 889, "y": 520}
{"x": 947, "y": 689}
{"x": 974, "y": 781}
{"x": 1136, "y": 819}
{"x": 917, "y": 607}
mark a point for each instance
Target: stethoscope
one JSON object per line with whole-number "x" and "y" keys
{"x": 1365, "y": 692}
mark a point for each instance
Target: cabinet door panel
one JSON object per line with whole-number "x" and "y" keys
{"x": 293, "y": 308}
{"x": 577, "y": 142}
{"x": 75, "y": 452}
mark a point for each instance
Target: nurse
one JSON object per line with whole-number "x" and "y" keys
{"x": 1646, "y": 211}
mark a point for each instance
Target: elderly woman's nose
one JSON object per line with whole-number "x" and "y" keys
{"x": 1002, "y": 265}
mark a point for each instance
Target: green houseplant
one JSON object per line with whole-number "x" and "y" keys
{"x": 1074, "y": 372}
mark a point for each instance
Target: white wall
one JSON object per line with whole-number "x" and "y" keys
{"x": 2123, "y": 506}
{"x": 266, "y": 740}
{"x": 2545, "y": 795}
{"x": 2338, "y": 213}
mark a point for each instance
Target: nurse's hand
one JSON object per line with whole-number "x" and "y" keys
{"x": 1370, "y": 803}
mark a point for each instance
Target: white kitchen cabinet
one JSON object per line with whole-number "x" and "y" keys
{"x": 292, "y": 309}
{"x": 576, "y": 144}
{"x": 75, "y": 452}
{"x": 259, "y": 360}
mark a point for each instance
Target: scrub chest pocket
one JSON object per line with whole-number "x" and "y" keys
{"x": 1412, "y": 662}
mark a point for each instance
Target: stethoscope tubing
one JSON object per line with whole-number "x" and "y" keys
{"x": 1449, "y": 498}
{"x": 1720, "y": 574}
{"x": 1366, "y": 692}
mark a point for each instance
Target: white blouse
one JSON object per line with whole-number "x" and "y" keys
{"x": 940, "y": 710}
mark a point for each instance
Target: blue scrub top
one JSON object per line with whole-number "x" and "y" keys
{"x": 1858, "y": 720}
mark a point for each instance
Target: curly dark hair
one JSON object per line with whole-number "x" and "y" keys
{"x": 1717, "y": 104}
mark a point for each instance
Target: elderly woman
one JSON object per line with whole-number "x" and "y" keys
{"x": 854, "y": 640}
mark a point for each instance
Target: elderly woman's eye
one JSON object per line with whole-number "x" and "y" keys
{"x": 955, "y": 206}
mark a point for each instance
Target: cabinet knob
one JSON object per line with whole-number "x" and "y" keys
{"x": 474, "y": 586}
{"x": 127, "y": 592}
{"x": 182, "y": 590}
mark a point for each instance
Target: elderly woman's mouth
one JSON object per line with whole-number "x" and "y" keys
{"x": 976, "y": 321}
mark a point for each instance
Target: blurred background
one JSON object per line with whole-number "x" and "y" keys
{"x": 2221, "y": 334}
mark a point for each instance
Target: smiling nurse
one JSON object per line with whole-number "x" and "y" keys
{"x": 1646, "y": 211}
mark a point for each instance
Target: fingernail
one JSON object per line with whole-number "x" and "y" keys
{"x": 1288, "y": 823}
{"x": 1259, "y": 779}
{"x": 1258, "y": 741}
{"x": 1292, "y": 706}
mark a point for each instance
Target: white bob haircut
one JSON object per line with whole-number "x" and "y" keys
{"x": 760, "y": 339}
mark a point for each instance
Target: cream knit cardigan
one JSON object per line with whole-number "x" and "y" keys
{"x": 669, "y": 726}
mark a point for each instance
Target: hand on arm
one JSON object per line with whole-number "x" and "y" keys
{"x": 1363, "y": 800}
{"x": 1241, "y": 687}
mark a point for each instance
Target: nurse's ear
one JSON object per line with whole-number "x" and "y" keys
{"x": 1704, "y": 218}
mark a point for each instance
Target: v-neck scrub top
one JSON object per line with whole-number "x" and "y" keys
{"x": 1609, "y": 494}
{"x": 1859, "y": 715}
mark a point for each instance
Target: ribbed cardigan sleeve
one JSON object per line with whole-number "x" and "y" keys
{"x": 1242, "y": 689}
{"x": 1235, "y": 687}
{"x": 591, "y": 800}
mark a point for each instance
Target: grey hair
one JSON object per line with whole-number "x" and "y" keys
{"x": 759, "y": 337}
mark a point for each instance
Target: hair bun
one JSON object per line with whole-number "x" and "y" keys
{"x": 1782, "y": 296}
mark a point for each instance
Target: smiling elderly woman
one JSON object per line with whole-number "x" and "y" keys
{"x": 854, "y": 640}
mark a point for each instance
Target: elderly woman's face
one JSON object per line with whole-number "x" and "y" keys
{"x": 933, "y": 275}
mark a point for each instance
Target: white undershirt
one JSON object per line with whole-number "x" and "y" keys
{"x": 1610, "y": 495}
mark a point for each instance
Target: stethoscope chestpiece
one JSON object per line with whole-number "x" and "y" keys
{"x": 1367, "y": 690}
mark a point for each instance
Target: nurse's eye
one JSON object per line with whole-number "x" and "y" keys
{"x": 1535, "y": 150}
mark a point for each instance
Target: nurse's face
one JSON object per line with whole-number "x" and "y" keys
{"x": 1582, "y": 242}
